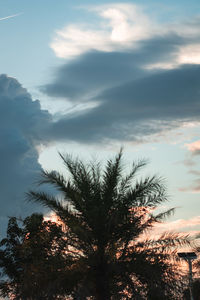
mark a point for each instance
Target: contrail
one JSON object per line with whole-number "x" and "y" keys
{"x": 8, "y": 17}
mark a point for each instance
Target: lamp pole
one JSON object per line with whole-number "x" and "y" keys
{"x": 189, "y": 256}
{"x": 189, "y": 260}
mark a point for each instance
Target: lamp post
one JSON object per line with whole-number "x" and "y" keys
{"x": 189, "y": 256}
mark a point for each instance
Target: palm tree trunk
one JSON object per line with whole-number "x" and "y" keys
{"x": 102, "y": 289}
{"x": 102, "y": 278}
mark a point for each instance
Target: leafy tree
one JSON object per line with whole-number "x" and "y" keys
{"x": 106, "y": 214}
{"x": 32, "y": 258}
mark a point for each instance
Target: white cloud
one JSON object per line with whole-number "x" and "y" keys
{"x": 189, "y": 54}
{"x": 72, "y": 41}
{"x": 127, "y": 22}
{"x": 122, "y": 25}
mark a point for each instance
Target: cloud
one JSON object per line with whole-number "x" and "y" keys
{"x": 193, "y": 188}
{"x": 190, "y": 54}
{"x": 180, "y": 224}
{"x": 122, "y": 24}
{"x": 194, "y": 147}
{"x": 123, "y": 27}
{"x": 132, "y": 86}
{"x": 149, "y": 103}
{"x": 194, "y": 172}
{"x": 82, "y": 79}
{"x": 191, "y": 161}
{"x": 89, "y": 73}
{"x": 22, "y": 127}
{"x": 184, "y": 226}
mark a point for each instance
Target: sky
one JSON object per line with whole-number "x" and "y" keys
{"x": 87, "y": 77}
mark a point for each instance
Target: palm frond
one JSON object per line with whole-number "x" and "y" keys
{"x": 126, "y": 182}
{"x": 45, "y": 200}
{"x": 163, "y": 215}
{"x": 167, "y": 241}
{"x": 148, "y": 192}
{"x": 111, "y": 177}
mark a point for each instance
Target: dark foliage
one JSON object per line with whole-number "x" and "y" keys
{"x": 32, "y": 259}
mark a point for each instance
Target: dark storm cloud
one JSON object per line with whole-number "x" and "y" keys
{"x": 133, "y": 101}
{"x": 80, "y": 79}
{"x": 22, "y": 126}
{"x": 170, "y": 95}
{"x": 141, "y": 107}
{"x": 20, "y": 112}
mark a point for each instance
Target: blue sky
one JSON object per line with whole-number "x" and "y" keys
{"x": 104, "y": 75}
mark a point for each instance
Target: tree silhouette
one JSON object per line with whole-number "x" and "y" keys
{"x": 32, "y": 258}
{"x": 106, "y": 214}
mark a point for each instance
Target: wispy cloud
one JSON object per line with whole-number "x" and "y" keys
{"x": 192, "y": 162}
{"x": 194, "y": 188}
{"x": 194, "y": 172}
{"x": 180, "y": 224}
{"x": 9, "y": 17}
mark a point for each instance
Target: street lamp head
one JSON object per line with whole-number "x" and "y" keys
{"x": 187, "y": 255}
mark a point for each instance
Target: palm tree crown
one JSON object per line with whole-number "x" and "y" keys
{"x": 105, "y": 214}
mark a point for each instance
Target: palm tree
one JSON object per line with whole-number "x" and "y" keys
{"x": 106, "y": 214}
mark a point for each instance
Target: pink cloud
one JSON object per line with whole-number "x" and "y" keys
{"x": 180, "y": 224}
{"x": 183, "y": 226}
{"x": 194, "y": 147}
